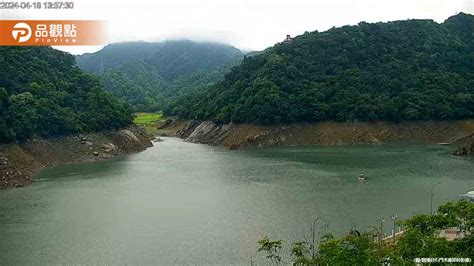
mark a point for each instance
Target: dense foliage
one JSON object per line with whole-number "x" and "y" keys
{"x": 421, "y": 239}
{"x": 43, "y": 92}
{"x": 149, "y": 75}
{"x": 402, "y": 70}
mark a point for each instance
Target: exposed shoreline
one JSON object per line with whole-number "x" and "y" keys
{"x": 240, "y": 136}
{"x": 19, "y": 162}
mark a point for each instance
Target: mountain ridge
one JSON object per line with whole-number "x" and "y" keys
{"x": 394, "y": 71}
{"x": 147, "y": 74}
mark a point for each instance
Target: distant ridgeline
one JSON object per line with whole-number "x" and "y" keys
{"x": 42, "y": 92}
{"x": 148, "y": 75}
{"x": 401, "y": 70}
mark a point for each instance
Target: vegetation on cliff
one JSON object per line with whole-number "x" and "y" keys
{"x": 401, "y": 70}
{"x": 149, "y": 75}
{"x": 43, "y": 93}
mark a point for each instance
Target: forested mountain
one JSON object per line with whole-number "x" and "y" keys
{"x": 147, "y": 75}
{"x": 401, "y": 70}
{"x": 43, "y": 92}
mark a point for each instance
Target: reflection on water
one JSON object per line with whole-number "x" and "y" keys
{"x": 183, "y": 203}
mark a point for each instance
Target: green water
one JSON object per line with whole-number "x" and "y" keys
{"x": 183, "y": 203}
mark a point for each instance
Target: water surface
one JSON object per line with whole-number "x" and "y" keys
{"x": 183, "y": 203}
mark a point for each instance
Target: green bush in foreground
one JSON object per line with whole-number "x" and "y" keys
{"x": 420, "y": 240}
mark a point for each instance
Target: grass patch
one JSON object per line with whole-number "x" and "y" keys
{"x": 148, "y": 118}
{"x": 150, "y": 121}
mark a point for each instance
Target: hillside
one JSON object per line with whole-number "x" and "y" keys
{"x": 147, "y": 75}
{"x": 395, "y": 71}
{"x": 43, "y": 93}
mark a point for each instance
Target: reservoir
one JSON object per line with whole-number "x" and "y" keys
{"x": 185, "y": 203}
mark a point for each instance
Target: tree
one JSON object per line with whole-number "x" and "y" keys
{"x": 22, "y": 115}
{"x": 299, "y": 251}
{"x": 272, "y": 248}
{"x": 352, "y": 250}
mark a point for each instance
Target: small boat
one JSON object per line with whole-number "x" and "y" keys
{"x": 443, "y": 143}
{"x": 469, "y": 195}
{"x": 362, "y": 177}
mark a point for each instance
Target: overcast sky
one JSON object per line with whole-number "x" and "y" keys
{"x": 248, "y": 25}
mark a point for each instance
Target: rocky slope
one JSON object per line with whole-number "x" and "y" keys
{"x": 468, "y": 148}
{"x": 236, "y": 136}
{"x": 19, "y": 162}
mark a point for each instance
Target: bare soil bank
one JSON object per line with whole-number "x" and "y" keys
{"x": 237, "y": 136}
{"x": 19, "y": 162}
{"x": 467, "y": 148}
